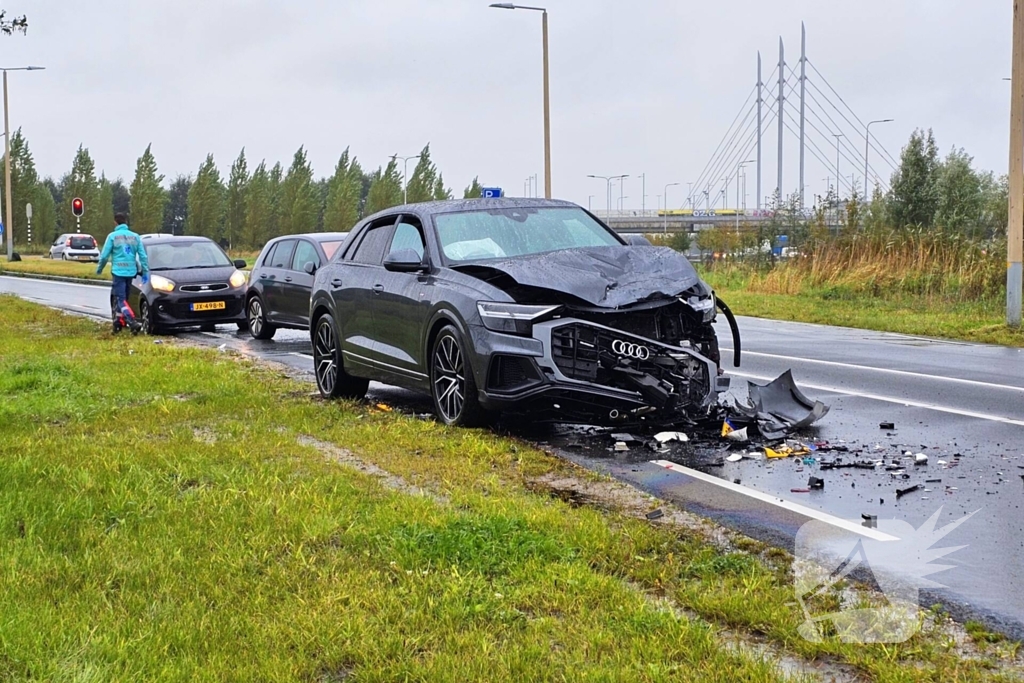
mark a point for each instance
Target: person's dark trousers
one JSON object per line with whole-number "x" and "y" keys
{"x": 119, "y": 290}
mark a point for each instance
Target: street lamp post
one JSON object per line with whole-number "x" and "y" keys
{"x": 608, "y": 191}
{"x": 547, "y": 100}
{"x": 643, "y": 193}
{"x": 622, "y": 203}
{"x": 589, "y": 200}
{"x": 867, "y": 147}
{"x": 739, "y": 167}
{"x": 405, "y": 169}
{"x": 665, "y": 224}
{"x": 9, "y": 232}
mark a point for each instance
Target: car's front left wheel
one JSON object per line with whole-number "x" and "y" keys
{"x": 452, "y": 386}
{"x": 331, "y": 378}
{"x": 146, "y": 318}
{"x": 259, "y": 328}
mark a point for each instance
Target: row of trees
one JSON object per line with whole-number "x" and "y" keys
{"x": 243, "y": 211}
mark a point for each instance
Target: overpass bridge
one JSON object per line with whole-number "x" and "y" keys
{"x": 680, "y": 220}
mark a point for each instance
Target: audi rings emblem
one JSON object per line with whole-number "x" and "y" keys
{"x": 638, "y": 351}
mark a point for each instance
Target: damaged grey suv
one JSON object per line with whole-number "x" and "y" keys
{"x": 516, "y": 305}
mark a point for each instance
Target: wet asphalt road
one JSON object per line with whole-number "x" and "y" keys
{"x": 956, "y": 402}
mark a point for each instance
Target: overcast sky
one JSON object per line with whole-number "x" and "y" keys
{"x": 648, "y": 86}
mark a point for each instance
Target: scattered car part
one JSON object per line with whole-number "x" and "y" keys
{"x": 780, "y": 408}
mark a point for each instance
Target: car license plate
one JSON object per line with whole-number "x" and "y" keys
{"x": 84, "y": 258}
{"x": 209, "y": 306}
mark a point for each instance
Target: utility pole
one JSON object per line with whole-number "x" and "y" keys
{"x": 782, "y": 101}
{"x": 803, "y": 88}
{"x": 1015, "y": 229}
{"x": 867, "y": 148}
{"x": 760, "y": 99}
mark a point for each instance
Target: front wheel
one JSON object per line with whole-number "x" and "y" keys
{"x": 146, "y": 318}
{"x": 456, "y": 400}
{"x": 331, "y": 378}
{"x": 256, "y": 317}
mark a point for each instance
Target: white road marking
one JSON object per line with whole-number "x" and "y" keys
{"x": 802, "y": 510}
{"x": 56, "y": 283}
{"x": 300, "y": 355}
{"x": 893, "y": 399}
{"x": 903, "y": 373}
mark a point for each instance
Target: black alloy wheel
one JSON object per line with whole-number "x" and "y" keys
{"x": 257, "y": 319}
{"x": 331, "y": 378}
{"x": 451, "y": 383}
{"x": 146, "y": 318}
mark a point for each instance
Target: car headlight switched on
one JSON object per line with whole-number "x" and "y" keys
{"x": 237, "y": 279}
{"x": 161, "y": 283}
{"x": 511, "y": 318}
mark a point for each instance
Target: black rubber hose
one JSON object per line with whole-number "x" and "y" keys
{"x": 724, "y": 307}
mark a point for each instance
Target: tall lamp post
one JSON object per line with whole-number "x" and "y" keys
{"x": 608, "y": 192}
{"x": 9, "y": 231}
{"x": 1015, "y": 227}
{"x": 405, "y": 169}
{"x": 739, "y": 167}
{"x": 665, "y": 225}
{"x": 547, "y": 101}
{"x": 867, "y": 148}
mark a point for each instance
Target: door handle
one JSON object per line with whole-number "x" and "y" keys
{"x": 288, "y": 279}
{"x": 264, "y": 276}
{"x": 336, "y": 282}
{"x": 377, "y": 289}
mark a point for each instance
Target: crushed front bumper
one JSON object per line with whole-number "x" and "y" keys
{"x": 578, "y": 371}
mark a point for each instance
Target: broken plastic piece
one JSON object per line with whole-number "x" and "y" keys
{"x": 385, "y": 407}
{"x": 780, "y": 408}
{"x": 665, "y": 437}
{"x": 910, "y": 489}
{"x": 727, "y": 428}
{"x": 735, "y": 457}
{"x": 886, "y": 425}
{"x": 816, "y": 483}
{"x": 739, "y": 435}
{"x": 655, "y": 514}
{"x": 920, "y": 459}
{"x": 627, "y": 438}
{"x": 621, "y": 446}
{"x": 800, "y": 490}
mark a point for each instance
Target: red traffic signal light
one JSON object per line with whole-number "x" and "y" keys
{"x": 77, "y": 206}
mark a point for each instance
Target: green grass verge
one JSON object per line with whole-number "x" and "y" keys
{"x": 978, "y": 321}
{"x": 159, "y": 524}
{"x": 40, "y": 266}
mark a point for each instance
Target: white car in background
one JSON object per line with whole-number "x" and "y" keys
{"x": 75, "y": 247}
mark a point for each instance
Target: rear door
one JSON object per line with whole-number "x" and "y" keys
{"x": 272, "y": 276}
{"x": 352, "y": 291}
{"x": 298, "y": 284}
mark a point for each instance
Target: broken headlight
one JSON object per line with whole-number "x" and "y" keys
{"x": 511, "y": 318}
{"x": 705, "y": 307}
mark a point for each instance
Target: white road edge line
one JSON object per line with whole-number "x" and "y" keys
{"x": 57, "y": 283}
{"x": 300, "y": 355}
{"x": 805, "y": 511}
{"x": 893, "y": 399}
{"x": 904, "y": 373}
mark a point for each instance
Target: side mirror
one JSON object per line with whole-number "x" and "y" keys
{"x": 309, "y": 267}
{"x": 637, "y": 240}
{"x": 404, "y": 261}
{"x": 240, "y": 263}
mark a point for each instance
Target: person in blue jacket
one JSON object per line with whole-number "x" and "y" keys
{"x": 128, "y": 259}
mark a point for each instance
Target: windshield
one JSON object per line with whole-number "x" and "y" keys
{"x": 184, "y": 255}
{"x": 520, "y": 231}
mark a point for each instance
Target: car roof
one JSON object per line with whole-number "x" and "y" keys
{"x": 159, "y": 238}
{"x": 459, "y": 205}
{"x": 315, "y": 236}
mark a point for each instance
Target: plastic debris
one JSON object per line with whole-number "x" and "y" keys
{"x": 735, "y": 457}
{"x": 727, "y": 428}
{"x": 786, "y": 450}
{"x": 628, "y": 438}
{"x": 780, "y": 408}
{"x": 910, "y": 489}
{"x": 920, "y": 459}
{"x": 384, "y": 407}
{"x": 800, "y": 490}
{"x": 810, "y": 461}
{"x": 815, "y": 483}
{"x": 739, "y": 435}
{"x": 621, "y": 446}
{"x": 655, "y": 514}
{"x": 870, "y": 521}
{"x": 886, "y": 425}
{"x": 665, "y": 437}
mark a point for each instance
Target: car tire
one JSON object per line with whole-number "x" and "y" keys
{"x": 331, "y": 378}
{"x": 452, "y": 385}
{"x": 63, "y": 256}
{"x": 146, "y": 318}
{"x": 256, "y": 320}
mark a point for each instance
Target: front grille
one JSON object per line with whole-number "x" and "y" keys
{"x": 576, "y": 351}
{"x": 215, "y": 287}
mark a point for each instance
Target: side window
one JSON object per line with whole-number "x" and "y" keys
{"x": 371, "y": 248}
{"x": 283, "y": 254}
{"x": 407, "y": 236}
{"x": 304, "y": 253}
{"x": 269, "y": 257}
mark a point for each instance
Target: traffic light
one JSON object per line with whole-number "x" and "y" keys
{"x": 77, "y": 206}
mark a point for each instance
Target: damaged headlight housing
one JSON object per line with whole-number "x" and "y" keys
{"x": 511, "y": 318}
{"x": 705, "y": 306}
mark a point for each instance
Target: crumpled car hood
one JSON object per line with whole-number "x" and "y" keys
{"x": 608, "y": 277}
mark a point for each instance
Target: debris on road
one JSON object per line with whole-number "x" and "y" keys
{"x": 799, "y": 490}
{"x": 779, "y": 408}
{"x": 910, "y": 489}
{"x": 655, "y": 514}
{"x": 870, "y": 521}
{"x": 621, "y": 446}
{"x": 627, "y": 438}
{"x": 920, "y": 459}
{"x": 785, "y": 450}
{"x": 887, "y": 425}
{"x": 736, "y": 457}
{"x": 738, "y": 435}
{"x": 665, "y": 437}
{"x": 816, "y": 483}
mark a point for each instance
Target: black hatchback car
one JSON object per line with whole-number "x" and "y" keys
{"x": 523, "y": 305}
{"x": 192, "y": 283}
{"x": 282, "y": 280}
